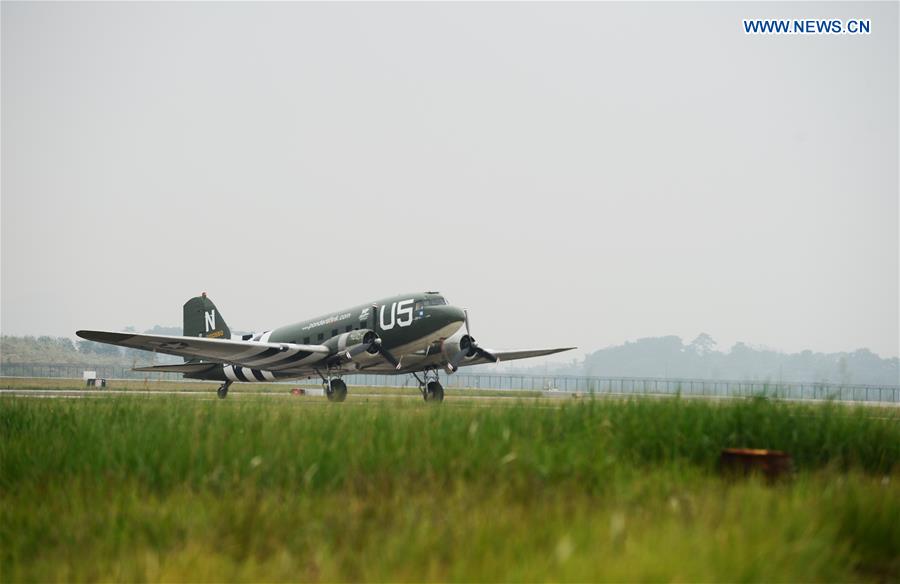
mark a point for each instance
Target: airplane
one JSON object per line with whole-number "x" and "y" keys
{"x": 407, "y": 334}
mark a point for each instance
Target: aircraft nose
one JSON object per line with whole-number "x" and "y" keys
{"x": 457, "y": 314}
{"x": 447, "y": 315}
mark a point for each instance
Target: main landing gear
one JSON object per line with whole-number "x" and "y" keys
{"x": 222, "y": 392}
{"x": 431, "y": 388}
{"x": 335, "y": 388}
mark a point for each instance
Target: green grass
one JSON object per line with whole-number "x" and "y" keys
{"x": 174, "y": 489}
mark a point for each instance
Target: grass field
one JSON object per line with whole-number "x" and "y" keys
{"x": 167, "y": 488}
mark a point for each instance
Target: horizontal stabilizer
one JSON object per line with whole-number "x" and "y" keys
{"x": 179, "y": 368}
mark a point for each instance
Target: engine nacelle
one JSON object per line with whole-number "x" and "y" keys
{"x": 458, "y": 348}
{"x": 356, "y": 343}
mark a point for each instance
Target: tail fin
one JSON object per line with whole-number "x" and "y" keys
{"x": 202, "y": 319}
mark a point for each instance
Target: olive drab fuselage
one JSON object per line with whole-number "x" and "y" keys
{"x": 399, "y": 321}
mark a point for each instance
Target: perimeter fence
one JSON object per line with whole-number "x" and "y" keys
{"x": 550, "y": 383}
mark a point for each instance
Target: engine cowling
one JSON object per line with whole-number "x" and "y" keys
{"x": 458, "y": 348}
{"x": 350, "y": 340}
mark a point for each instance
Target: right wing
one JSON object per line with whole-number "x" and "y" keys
{"x": 233, "y": 352}
{"x": 512, "y": 355}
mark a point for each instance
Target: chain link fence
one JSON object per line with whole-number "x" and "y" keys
{"x": 549, "y": 383}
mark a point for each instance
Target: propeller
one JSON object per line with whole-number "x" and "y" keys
{"x": 468, "y": 347}
{"x": 482, "y": 352}
{"x": 366, "y": 345}
{"x": 376, "y": 347}
{"x": 372, "y": 344}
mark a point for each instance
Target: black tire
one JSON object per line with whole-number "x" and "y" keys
{"x": 337, "y": 392}
{"x": 434, "y": 391}
{"x": 222, "y": 392}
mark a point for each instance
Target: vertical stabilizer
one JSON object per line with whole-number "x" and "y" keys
{"x": 202, "y": 319}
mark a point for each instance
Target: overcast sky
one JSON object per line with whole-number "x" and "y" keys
{"x": 579, "y": 174}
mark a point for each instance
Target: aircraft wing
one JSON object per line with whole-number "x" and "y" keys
{"x": 235, "y": 352}
{"x": 513, "y": 355}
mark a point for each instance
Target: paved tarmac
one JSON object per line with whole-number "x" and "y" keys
{"x": 101, "y": 393}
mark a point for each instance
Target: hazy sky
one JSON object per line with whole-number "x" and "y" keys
{"x": 576, "y": 174}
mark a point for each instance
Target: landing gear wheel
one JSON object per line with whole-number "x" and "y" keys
{"x": 434, "y": 391}
{"x": 336, "y": 391}
{"x": 222, "y": 392}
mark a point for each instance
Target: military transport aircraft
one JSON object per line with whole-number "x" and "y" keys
{"x": 407, "y": 334}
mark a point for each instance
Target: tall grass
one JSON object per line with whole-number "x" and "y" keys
{"x": 176, "y": 489}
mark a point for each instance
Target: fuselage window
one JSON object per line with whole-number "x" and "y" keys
{"x": 305, "y": 340}
{"x": 321, "y": 336}
{"x": 334, "y": 332}
{"x": 348, "y": 328}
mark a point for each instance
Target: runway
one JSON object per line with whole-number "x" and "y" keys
{"x": 193, "y": 394}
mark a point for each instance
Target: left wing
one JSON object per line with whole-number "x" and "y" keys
{"x": 234, "y": 352}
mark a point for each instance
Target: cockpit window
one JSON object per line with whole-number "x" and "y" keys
{"x": 435, "y": 301}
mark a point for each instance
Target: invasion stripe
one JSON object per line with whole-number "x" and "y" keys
{"x": 229, "y": 373}
{"x": 262, "y": 360}
{"x": 239, "y": 371}
{"x": 295, "y": 359}
{"x": 248, "y": 354}
{"x": 264, "y": 355}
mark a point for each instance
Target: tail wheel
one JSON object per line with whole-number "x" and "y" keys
{"x": 337, "y": 391}
{"x": 434, "y": 391}
{"x": 222, "y": 392}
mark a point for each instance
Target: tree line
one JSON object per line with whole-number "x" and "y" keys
{"x": 670, "y": 357}
{"x": 63, "y": 350}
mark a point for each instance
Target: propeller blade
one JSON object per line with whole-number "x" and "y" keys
{"x": 457, "y": 359}
{"x": 369, "y": 343}
{"x": 357, "y": 349}
{"x": 386, "y": 354}
{"x": 390, "y": 358}
{"x": 487, "y": 354}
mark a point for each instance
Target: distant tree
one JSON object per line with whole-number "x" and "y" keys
{"x": 92, "y": 348}
{"x": 65, "y": 344}
{"x": 844, "y": 370}
{"x": 86, "y": 347}
{"x": 703, "y": 344}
